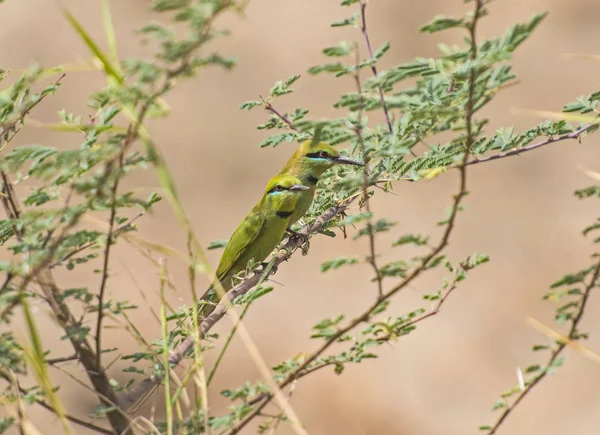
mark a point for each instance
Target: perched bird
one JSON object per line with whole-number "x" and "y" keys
{"x": 307, "y": 164}
{"x": 259, "y": 233}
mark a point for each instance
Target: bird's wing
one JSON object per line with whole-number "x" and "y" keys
{"x": 241, "y": 239}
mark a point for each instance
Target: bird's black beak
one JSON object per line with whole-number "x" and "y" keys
{"x": 296, "y": 187}
{"x": 347, "y": 161}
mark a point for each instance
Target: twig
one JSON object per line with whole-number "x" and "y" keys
{"x": 52, "y": 361}
{"x": 104, "y": 279}
{"x": 11, "y": 125}
{"x": 92, "y": 244}
{"x": 363, "y": 28}
{"x": 281, "y": 415}
{"x": 555, "y": 354}
{"x": 270, "y": 108}
{"x": 434, "y": 311}
{"x": 573, "y": 135}
{"x": 366, "y": 174}
{"x": 266, "y": 398}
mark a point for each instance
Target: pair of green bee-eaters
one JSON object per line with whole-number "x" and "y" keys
{"x": 287, "y": 197}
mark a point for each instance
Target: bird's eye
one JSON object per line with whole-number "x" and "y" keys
{"x": 278, "y": 188}
{"x": 323, "y": 154}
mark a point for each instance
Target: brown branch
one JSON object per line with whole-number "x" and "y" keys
{"x": 52, "y": 361}
{"x": 371, "y": 259}
{"x": 109, "y": 236}
{"x": 363, "y": 28}
{"x": 424, "y": 262}
{"x": 139, "y": 390}
{"x": 555, "y": 354}
{"x": 436, "y": 310}
{"x": 270, "y": 108}
{"x": 573, "y": 135}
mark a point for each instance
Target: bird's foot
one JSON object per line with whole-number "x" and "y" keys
{"x": 295, "y": 235}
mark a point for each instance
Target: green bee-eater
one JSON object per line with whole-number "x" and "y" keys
{"x": 308, "y": 164}
{"x": 259, "y": 233}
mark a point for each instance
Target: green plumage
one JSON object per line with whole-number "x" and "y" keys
{"x": 307, "y": 164}
{"x": 259, "y": 233}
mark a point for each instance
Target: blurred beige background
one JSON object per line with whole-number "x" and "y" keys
{"x": 443, "y": 378}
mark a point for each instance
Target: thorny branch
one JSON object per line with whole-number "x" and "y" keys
{"x": 266, "y": 398}
{"x": 555, "y": 354}
{"x": 134, "y": 394}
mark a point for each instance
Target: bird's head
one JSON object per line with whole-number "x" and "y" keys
{"x": 283, "y": 192}
{"x": 320, "y": 156}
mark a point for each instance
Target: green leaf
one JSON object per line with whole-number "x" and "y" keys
{"x": 332, "y": 68}
{"x": 275, "y": 140}
{"x": 381, "y": 51}
{"x": 380, "y": 226}
{"x": 249, "y": 105}
{"x": 216, "y": 244}
{"x": 342, "y": 49}
{"x": 443, "y": 23}
{"x": 415, "y": 239}
{"x": 347, "y": 22}
{"x": 352, "y": 219}
{"x": 335, "y": 263}
{"x": 6, "y": 423}
{"x": 252, "y": 295}
{"x": 283, "y": 87}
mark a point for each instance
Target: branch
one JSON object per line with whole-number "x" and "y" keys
{"x": 81, "y": 248}
{"x": 109, "y": 236}
{"x": 573, "y": 135}
{"x": 434, "y": 311}
{"x": 364, "y": 317}
{"x": 52, "y": 361}
{"x": 138, "y": 391}
{"x": 270, "y": 108}
{"x": 11, "y": 125}
{"x": 555, "y": 354}
{"x": 365, "y": 33}
{"x": 366, "y": 173}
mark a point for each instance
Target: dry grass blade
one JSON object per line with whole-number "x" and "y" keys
{"x": 35, "y": 357}
{"x": 563, "y": 339}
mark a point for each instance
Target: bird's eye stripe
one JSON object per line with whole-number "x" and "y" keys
{"x": 319, "y": 155}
